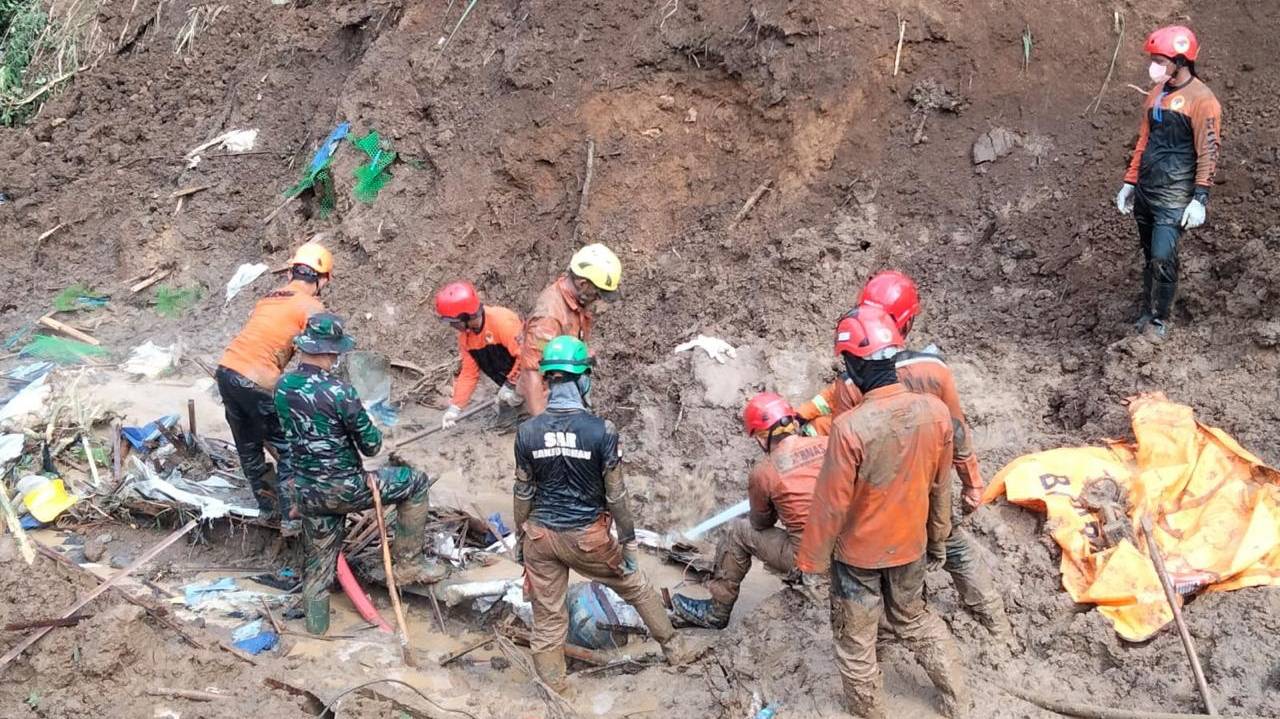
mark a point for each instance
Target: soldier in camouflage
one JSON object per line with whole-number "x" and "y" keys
{"x": 328, "y": 429}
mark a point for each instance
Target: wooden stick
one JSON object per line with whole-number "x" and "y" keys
{"x": 93, "y": 465}
{"x": 427, "y": 433}
{"x": 750, "y": 203}
{"x": 68, "y": 330}
{"x": 455, "y": 656}
{"x": 1090, "y": 711}
{"x": 191, "y": 419}
{"x": 117, "y": 454}
{"x": 154, "y": 278}
{"x": 47, "y": 233}
{"x": 406, "y": 651}
{"x": 1119, "y": 26}
{"x": 271, "y": 617}
{"x": 267, "y": 220}
{"x": 586, "y": 189}
{"x": 1172, "y": 597}
{"x": 70, "y": 621}
{"x": 146, "y": 556}
{"x": 15, "y": 526}
{"x": 189, "y": 191}
{"x": 897, "y": 56}
{"x": 189, "y": 694}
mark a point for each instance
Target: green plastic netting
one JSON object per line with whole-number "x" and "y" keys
{"x": 61, "y": 350}
{"x": 175, "y": 301}
{"x": 78, "y": 297}
{"x": 371, "y": 178}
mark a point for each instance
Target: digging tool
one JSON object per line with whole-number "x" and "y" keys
{"x": 737, "y": 510}
{"x": 1171, "y": 595}
{"x": 406, "y": 651}
{"x": 427, "y": 433}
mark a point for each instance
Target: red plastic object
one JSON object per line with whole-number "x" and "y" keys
{"x": 353, "y": 590}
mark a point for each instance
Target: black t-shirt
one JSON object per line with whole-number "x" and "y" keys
{"x": 566, "y": 454}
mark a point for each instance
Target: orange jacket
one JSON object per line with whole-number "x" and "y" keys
{"x": 781, "y": 485}
{"x": 884, "y": 491}
{"x": 493, "y": 350}
{"x": 923, "y": 372}
{"x": 1177, "y": 155}
{"x": 556, "y": 313}
{"x": 265, "y": 344}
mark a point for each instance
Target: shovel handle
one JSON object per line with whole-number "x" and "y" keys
{"x": 427, "y": 433}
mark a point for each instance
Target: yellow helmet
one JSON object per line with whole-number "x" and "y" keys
{"x": 598, "y": 265}
{"x": 315, "y": 256}
{"x": 48, "y": 500}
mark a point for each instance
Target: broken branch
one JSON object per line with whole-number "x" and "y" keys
{"x": 750, "y": 203}
{"x": 897, "y": 56}
{"x": 69, "y": 331}
{"x": 586, "y": 190}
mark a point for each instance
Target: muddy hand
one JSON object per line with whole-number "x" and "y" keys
{"x": 630, "y": 560}
{"x": 971, "y": 499}
{"x": 937, "y": 556}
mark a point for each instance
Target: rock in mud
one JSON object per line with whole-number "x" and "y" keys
{"x": 994, "y": 144}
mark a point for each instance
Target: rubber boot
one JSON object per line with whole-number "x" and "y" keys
{"x": 705, "y": 613}
{"x": 994, "y": 618}
{"x": 406, "y": 548}
{"x": 674, "y": 647}
{"x": 865, "y": 701}
{"x": 264, "y": 491}
{"x": 1164, "y": 296}
{"x": 551, "y": 670}
{"x": 317, "y": 612}
{"x": 1145, "y": 313}
{"x": 941, "y": 661}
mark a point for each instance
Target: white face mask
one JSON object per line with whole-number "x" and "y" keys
{"x": 1157, "y": 73}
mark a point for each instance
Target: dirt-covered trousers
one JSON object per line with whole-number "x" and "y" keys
{"x": 858, "y": 597}
{"x": 251, "y": 414}
{"x": 1159, "y": 229}
{"x": 973, "y": 579}
{"x": 325, "y": 513}
{"x": 774, "y": 546}
{"x": 593, "y": 553}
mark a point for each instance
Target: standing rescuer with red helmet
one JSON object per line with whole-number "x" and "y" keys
{"x": 488, "y": 342}
{"x": 1167, "y": 185}
{"x": 779, "y": 487}
{"x": 881, "y": 506}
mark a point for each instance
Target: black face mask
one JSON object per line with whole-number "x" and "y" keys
{"x": 867, "y": 375}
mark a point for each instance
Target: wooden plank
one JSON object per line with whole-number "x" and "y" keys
{"x": 69, "y": 331}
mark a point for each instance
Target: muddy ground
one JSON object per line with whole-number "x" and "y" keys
{"x": 1028, "y": 274}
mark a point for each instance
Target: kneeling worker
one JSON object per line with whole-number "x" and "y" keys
{"x": 325, "y": 424}
{"x": 489, "y": 342}
{"x": 780, "y": 486}
{"x": 568, "y": 490}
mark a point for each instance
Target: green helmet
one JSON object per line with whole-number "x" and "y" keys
{"x": 565, "y": 354}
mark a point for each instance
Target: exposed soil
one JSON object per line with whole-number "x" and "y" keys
{"x": 1028, "y": 273}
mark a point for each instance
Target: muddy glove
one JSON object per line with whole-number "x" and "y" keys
{"x": 630, "y": 558}
{"x": 1124, "y": 200}
{"x": 970, "y": 499}
{"x": 508, "y": 396}
{"x": 1193, "y": 216}
{"x": 937, "y": 556}
{"x": 450, "y": 417}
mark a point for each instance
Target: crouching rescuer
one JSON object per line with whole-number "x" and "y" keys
{"x": 780, "y": 487}
{"x": 568, "y": 491}
{"x": 328, "y": 429}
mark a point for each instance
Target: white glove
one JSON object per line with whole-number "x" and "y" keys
{"x": 716, "y": 348}
{"x": 508, "y": 396}
{"x": 450, "y": 417}
{"x": 1124, "y": 200}
{"x": 1193, "y": 216}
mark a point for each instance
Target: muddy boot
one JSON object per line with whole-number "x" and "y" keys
{"x": 941, "y": 661}
{"x": 865, "y": 701}
{"x": 505, "y": 418}
{"x": 675, "y": 648}
{"x": 317, "y": 613}
{"x": 705, "y": 613}
{"x": 996, "y": 621}
{"x": 551, "y": 670}
{"x": 1145, "y": 313}
{"x": 406, "y": 548}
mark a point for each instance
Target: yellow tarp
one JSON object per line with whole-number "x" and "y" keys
{"x": 1214, "y": 506}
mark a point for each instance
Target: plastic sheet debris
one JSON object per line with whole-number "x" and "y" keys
{"x": 27, "y": 406}
{"x": 261, "y": 642}
{"x": 151, "y": 360}
{"x": 193, "y": 595}
{"x": 244, "y": 276}
{"x": 245, "y": 631}
{"x": 61, "y": 350}
{"x": 47, "y": 500}
{"x": 211, "y": 502}
{"x": 319, "y": 175}
{"x": 147, "y": 437}
{"x": 716, "y": 348}
{"x": 234, "y": 141}
{"x": 370, "y": 374}
{"x": 455, "y": 594}
{"x": 495, "y": 521}
{"x": 591, "y": 605}
{"x": 79, "y": 297}
{"x": 10, "y": 447}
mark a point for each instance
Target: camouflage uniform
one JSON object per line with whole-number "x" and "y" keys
{"x": 328, "y": 429}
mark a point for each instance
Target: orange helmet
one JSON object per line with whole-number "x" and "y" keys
{"x": 1173, "y": 41}
{"x": 766, "y": 411}
{"x": 457, "y": 300}
{"x": 315, "y": 256}
{"x": 895, "y": 293}
{"x": 865, "y": 331}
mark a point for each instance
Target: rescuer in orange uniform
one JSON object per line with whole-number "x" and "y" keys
{"x": 779, "y": 487}
{"x": 881, "y": 504}
{"x": 565, "y": 308}
{"x": 247, "y": 375}
{"x": 489, "y": 343}
{"x": 925, "y": 372}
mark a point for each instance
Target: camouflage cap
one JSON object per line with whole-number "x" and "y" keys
{"x": 324, "y": 336}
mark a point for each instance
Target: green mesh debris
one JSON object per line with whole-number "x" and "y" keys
{"x": 61, "y": 350}
{"x": 175, "y": 301}
{"x": 78, "y": 297}
{"x": 319, "y": 174}
{"x": 371, "y": 178}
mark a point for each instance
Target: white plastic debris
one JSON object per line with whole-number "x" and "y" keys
{"x": 27, "y": 406}
{"x": 716, "y": 348}
{"x": 244, "y": 276}
{"x": 150, "y": 360}
{"x": 455, "y": 594}
{"x": 231, "y": 141}
{"x": 10, "y": 448}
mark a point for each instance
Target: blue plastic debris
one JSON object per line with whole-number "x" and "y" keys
{"x": 200, "y": 592}
{"x": 247, "y": 631}
{"x": 768, "y": 712}
{"x": 495, "y": 521}
{"x": 149, "y": 433}
{"x": 30, "y": 522}
{"x": 259, "y": 643}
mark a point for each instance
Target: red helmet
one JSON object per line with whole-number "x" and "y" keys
{"x": 1173, "y": 41}
{"x": 457, "y": 300}
{"x": 895, "y": 293}
{"x": 766, "y": 411}
{"x": 866, "y": 330}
